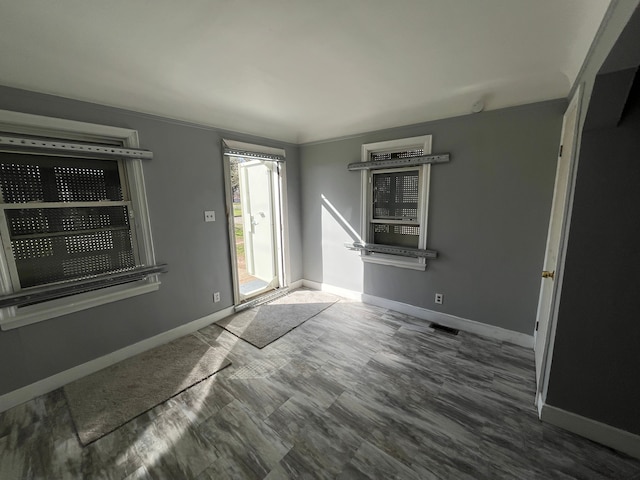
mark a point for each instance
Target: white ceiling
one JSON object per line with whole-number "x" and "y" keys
{"x": 298, "y": 70}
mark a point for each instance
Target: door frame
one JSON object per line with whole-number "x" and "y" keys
{"x": 281, "y": 216}
{"x": 547, "y": 353}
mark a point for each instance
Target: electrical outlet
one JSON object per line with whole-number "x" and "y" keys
{"x": 439, "y": 298}
{"x": 209, "y": 216}
{"x": 216, "y": 297}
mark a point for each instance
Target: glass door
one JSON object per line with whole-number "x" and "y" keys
{"x": 255, "y": 209}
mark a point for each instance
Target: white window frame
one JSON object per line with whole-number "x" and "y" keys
{"x": 50, "y": 127}
{"x": 403, "y": 144}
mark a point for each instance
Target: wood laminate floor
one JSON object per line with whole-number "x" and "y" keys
{"x": 356, "y": 392}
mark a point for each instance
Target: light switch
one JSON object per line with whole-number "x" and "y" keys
{"x": 209, "y": 216}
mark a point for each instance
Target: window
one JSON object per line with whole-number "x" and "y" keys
{"x": 65, "y": 218}
{"x": 395, "y": 200}
{"x": 70, "y": 222}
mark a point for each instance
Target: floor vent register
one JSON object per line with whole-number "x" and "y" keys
{"x": 441, "y": 328}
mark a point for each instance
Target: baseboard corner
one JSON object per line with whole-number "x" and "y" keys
{"x": 613, "y": 437}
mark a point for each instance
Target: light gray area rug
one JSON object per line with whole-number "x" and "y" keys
{"x": 107, "y": 399}
{"x": 266, "y": 323}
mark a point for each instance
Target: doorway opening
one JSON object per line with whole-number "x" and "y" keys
{"x": 254, "y": 180}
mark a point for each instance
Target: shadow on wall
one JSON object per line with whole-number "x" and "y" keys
{"x": 327, "y": 205}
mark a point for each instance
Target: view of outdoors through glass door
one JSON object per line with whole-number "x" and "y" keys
{"x": 254, "y": 215}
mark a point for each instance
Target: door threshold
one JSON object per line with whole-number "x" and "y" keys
{"x": 267, "y": 297}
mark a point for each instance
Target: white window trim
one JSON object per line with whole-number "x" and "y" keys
{"x": 22, "y": 123}
{"x": 421, "y": 142}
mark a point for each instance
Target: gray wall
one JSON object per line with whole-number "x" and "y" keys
{"x": 595, "y": 369}
{"x": 488, "y": 215}
{"x": 184, "y": 179}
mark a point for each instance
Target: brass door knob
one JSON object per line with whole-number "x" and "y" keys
{"x": 546, "y": 274}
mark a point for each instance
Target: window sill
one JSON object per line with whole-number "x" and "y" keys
{"x": 13, "y": 317}
{"x": 396, "y": 261}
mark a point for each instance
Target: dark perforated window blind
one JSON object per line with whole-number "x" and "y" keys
{"x": 377, "y": 156}
{"x": 396, "y": 235}
{"x": 395, "y": 199}
{"x": 395, "y": 195}
{"x": 66, "y": 218}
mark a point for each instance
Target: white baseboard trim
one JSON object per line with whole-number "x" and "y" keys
{"x": 341, "y": 292}
{"x": 296, "y": 284}
{"x": 445, "y": 319}
{"x": 453, "y": 321}
{"x": 46, "y": 385}
{"x": 613, "y": 437}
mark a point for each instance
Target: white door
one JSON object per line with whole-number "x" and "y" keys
{"x": 257, "y": 200}
{"x": 559, "y": 207}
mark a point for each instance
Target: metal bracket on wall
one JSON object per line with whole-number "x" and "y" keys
{"x": 402, "y": 251}
{"x": 399, "y": 162}
{"x": 21, "y": 144}
{"x": 65, "y": 289}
